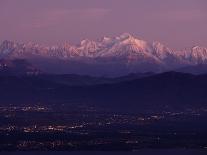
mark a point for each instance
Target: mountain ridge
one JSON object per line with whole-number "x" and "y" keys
{"x": 160, "y": 91}
{"x": 126, "y": 52}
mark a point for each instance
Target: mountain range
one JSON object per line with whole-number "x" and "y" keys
{"x": 109, "y": 56}
{"x": 155, "y": 92}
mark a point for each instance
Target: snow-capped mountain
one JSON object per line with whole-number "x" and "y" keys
{"x": 127, "y": 51}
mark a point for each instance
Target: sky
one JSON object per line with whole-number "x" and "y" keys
{"x": 176, "y": 23}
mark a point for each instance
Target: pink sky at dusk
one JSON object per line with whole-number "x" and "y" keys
{"x": 176, "y": 23}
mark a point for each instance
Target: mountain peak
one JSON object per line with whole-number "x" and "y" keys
{"x": 7, "y": 43}
{"x": 106, "y": 39}
{"x": 125, "y": 36}
{"x": 198, "y": 48}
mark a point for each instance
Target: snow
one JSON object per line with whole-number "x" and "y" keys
{"x": 125, "y": 46}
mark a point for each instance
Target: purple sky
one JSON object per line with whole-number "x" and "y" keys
{"x": 176, "y": 23}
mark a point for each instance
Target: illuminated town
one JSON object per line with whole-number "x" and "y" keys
{"x": 87, "y": 128}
